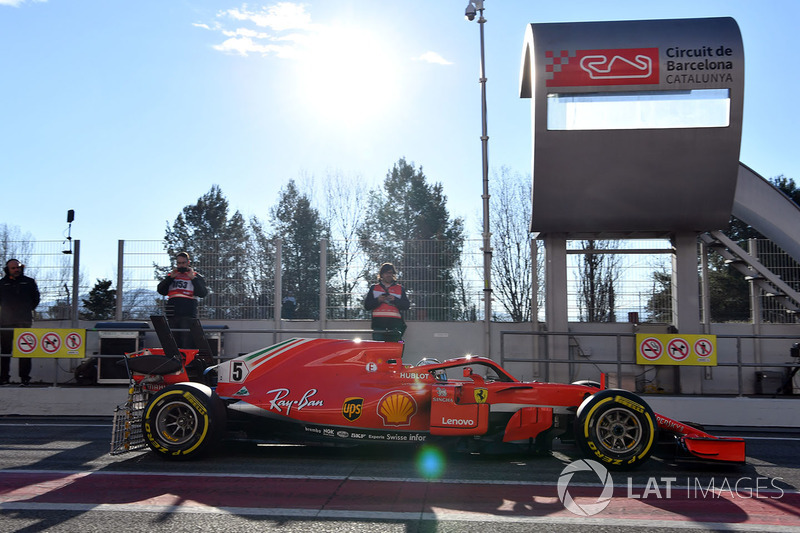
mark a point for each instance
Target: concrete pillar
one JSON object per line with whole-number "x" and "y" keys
{"x": 556, "y": 305}
{"x": 686, "y": 304}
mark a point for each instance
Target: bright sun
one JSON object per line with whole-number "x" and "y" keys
{"x": 348, "y": 75}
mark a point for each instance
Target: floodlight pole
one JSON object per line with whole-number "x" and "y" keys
{"x": 473, "y": 7}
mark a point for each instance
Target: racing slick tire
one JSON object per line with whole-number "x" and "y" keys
{"x": 616, "y": 428}
{"x": 183, "y": 421}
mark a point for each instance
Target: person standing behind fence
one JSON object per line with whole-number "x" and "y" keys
{"x": 386, "y": 299}
{"x": 182, "y": 287}
{"x": 19, "y": 296}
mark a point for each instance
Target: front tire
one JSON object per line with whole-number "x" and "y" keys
{"x": 616, "y": 428}
{"x": 183, "y": 421}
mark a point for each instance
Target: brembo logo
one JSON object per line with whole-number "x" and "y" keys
{"x": 620, "y": 66}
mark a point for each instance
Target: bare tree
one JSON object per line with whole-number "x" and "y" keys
{"x": 512, "y": 264}
{"x": 599, "y": 272}
{"x": 345, "y": 209}
{"x": 14, "y": 244}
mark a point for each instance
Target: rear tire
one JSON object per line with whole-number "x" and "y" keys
{"x": 183, "y": 421}
{"x": 616, "y": 428}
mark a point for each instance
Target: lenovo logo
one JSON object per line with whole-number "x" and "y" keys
{"x": 458, "y": 422}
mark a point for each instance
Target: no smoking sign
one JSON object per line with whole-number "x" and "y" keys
{"x": 26, "y": 343}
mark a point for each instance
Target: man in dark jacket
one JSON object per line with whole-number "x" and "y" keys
{"x": 182, "y": 287}
{"x": 19, "y": 296}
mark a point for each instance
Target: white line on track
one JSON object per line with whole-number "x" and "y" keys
{"x": 438, "y": 515}
{"x": 207, "y": 475}
{"x": 108, "y": 425}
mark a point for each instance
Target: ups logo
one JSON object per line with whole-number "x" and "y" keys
{"x": 351, "y": 408}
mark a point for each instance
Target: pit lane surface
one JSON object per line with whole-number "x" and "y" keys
{"x": 56, "y": 475}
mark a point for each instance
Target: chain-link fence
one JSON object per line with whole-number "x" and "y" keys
{"x": 53, "y": 265}
{"x": 444, "y": 280}
{"x": 236, "y": 291}
{"x": 621, "y": 277}
{"x": 779, "y": 262}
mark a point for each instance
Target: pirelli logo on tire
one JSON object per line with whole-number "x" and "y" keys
{"x": 629, "y": 403}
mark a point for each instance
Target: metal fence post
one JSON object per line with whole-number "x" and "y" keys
{"x": 76, "y": 271}
{"x": 120, "y": 279}
{"x": 278, "y": 287}
{"x": 323, "y": 283}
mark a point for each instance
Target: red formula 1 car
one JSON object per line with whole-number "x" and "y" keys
{"x": 351, "y": 391}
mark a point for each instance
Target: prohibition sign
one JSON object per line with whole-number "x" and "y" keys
{"x": 651, "y": 348}
{"x": 26, "y": 342}
{"x": 51, "y": 342}
{"x": 73, "y": 341}
{"x": 703, "y": 348}
{"x": 678, "y": 349}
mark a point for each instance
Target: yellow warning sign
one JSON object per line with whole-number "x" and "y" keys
{"x": 46, "y": 342}
{"x": 685, "y": 350}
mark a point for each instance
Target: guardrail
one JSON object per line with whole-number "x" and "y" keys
{"x": 615, "y": 357}
{"x": 625, "y": 354}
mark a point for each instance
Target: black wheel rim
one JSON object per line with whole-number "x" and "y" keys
{"x": 177, "y": 423}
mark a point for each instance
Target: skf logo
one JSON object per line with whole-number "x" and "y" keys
{"x": 621, "y": 66}
{"x": 351, "y": 408}
{"x": 397, "y": 408}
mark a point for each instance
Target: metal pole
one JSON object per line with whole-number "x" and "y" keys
{"x": 76, "y": 270}
{"x": 487, "y": 236}
{"x": 278, "y": 295}
{"x": 323, "y": 284}
{"x": 120, "y": 279}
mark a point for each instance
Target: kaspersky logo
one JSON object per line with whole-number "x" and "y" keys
{"x": 352, "y": 408}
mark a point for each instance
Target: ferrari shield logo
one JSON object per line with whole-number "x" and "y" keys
{"x": 481, "y": 395}
{"x": 351, "y": 408}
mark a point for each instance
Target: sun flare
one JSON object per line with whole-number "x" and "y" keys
{"x": 347, "y": 74}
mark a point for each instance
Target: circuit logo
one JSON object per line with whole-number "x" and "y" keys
{"x": 585, "y": 509}
{"x": 619, "y": 66}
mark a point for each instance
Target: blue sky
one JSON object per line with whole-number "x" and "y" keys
{"x": 128, "y": 111}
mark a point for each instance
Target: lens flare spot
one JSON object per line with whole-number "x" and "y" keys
{"x": 430, "y": 462}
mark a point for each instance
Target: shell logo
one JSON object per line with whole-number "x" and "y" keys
{"x": 397, "y": 408}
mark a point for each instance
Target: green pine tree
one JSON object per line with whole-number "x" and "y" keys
{"x": 301, "y": 228}
{"x": 218, "y": 247}
{"x": 411, "y": 227}
{"x": 101, "y": 302}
